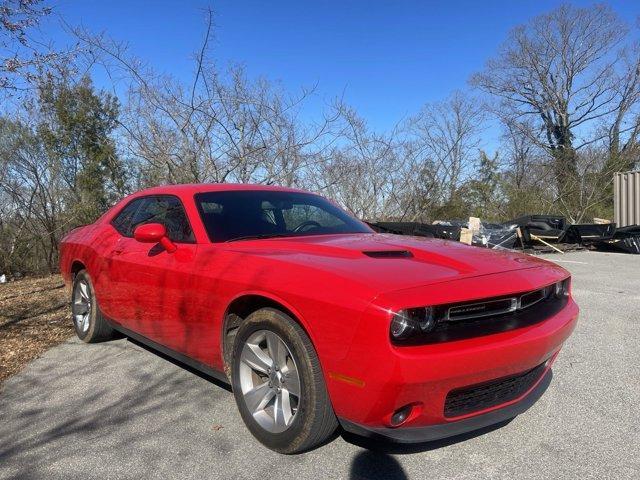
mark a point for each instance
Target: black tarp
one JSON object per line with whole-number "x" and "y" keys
{"x": 552, "y": 229}
{"x": 446, "y": 232}
{"x": 589, "y": 233}
{"x": 624, "y": 239}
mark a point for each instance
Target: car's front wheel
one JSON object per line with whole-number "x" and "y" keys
{"x": 90, "y": 326}
{"x": 278, "y": 384}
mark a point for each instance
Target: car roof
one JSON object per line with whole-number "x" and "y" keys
{"x": 193, "y": 188}
{"x": 185, "y": 190}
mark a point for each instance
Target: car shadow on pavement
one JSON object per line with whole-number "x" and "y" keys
{"x": 180, "y": 364}
{"x": 57, "y": 407}
{"x": 368, "y": 465}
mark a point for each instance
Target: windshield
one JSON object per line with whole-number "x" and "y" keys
{"x": 246, "y": 214}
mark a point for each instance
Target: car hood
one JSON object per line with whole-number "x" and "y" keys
{"x": 387, "y": 262}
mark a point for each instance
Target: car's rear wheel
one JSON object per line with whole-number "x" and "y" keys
{"x": 90, "y": 326}
{"x": 278, "y": 384}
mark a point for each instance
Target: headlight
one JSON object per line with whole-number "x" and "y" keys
{"x": 406, "y": 322}
{"x": 561, "y": 289}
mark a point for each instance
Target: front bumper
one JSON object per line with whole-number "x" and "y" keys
{"x": 384, "y": 380}
{"x": 430, "y": 433}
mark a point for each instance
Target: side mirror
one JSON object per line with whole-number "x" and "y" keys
{"x": 154, "y": 233}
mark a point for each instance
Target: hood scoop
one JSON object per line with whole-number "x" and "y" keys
{"x": 388, "y": 253}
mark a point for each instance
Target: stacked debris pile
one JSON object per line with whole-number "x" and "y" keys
{"x": 447, "y": 232}
{"x": 489, "y": 235}
{"x": 550, "y": 228}
{"x": 539, "y": 233}
{"x": 496, "y": 236}
{"x": 624, "y": 239}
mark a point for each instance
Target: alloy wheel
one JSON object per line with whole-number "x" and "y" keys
{"x": 81, "y": 306}
{"x": 269, "y": 381}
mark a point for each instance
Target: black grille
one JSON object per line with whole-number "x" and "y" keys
{"x": 460, "y": 320}
{"x": 534, "y": 311}
{"x": 486, "y": 395}
{"x": 487, "y": 308}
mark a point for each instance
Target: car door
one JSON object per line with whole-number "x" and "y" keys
{"x": 150, "y": 287}
{"x": 105, "y": 289}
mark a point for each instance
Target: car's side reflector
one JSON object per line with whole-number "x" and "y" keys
{"x": 356, "y": 382}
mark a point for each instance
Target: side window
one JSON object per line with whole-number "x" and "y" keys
{"x": 122, "y": 222}
{"x": 168, "y": 211}
{"x": 299, "y": 214}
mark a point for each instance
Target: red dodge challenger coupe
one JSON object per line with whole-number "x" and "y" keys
{"x": 314, "y": 319}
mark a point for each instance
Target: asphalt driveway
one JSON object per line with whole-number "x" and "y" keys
{"x": 116, "y": 410}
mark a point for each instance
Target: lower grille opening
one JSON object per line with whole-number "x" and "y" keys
{"x": 463, "y": 401}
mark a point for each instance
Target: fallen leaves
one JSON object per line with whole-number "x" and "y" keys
{"x": 34, "y": 316}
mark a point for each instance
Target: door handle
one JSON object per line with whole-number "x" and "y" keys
{"x": 117, "y": 251}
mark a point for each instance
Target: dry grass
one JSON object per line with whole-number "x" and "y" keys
{"x": 34, "y": 316}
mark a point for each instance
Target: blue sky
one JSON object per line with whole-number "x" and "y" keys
{"x": 388, "y": 57}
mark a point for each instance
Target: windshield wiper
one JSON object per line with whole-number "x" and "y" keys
{"x": 258, "y": 236}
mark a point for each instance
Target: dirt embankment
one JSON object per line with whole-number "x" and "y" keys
{"x": 34, "y": 316}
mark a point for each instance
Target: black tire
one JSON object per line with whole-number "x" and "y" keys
{"x": 315, "y": 422}
{"x": 98, "y": 330}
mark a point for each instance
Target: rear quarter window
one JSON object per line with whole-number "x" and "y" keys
{"x": 164, "y": 209}
{"x": 122, "y": 221}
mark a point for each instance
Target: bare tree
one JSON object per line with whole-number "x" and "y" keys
{"x": 24, "y": 54}
{"x": 527, "y": 176}
{"x": 364, "y": 172}
{"x": 441, "y": 143}
{"x": 621, "y": 130}
{"x": 557, "y": 78}
{"x": 35, "y": 199}
{"x": 220, "y": 127}
{"x": 412, "y": 172}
